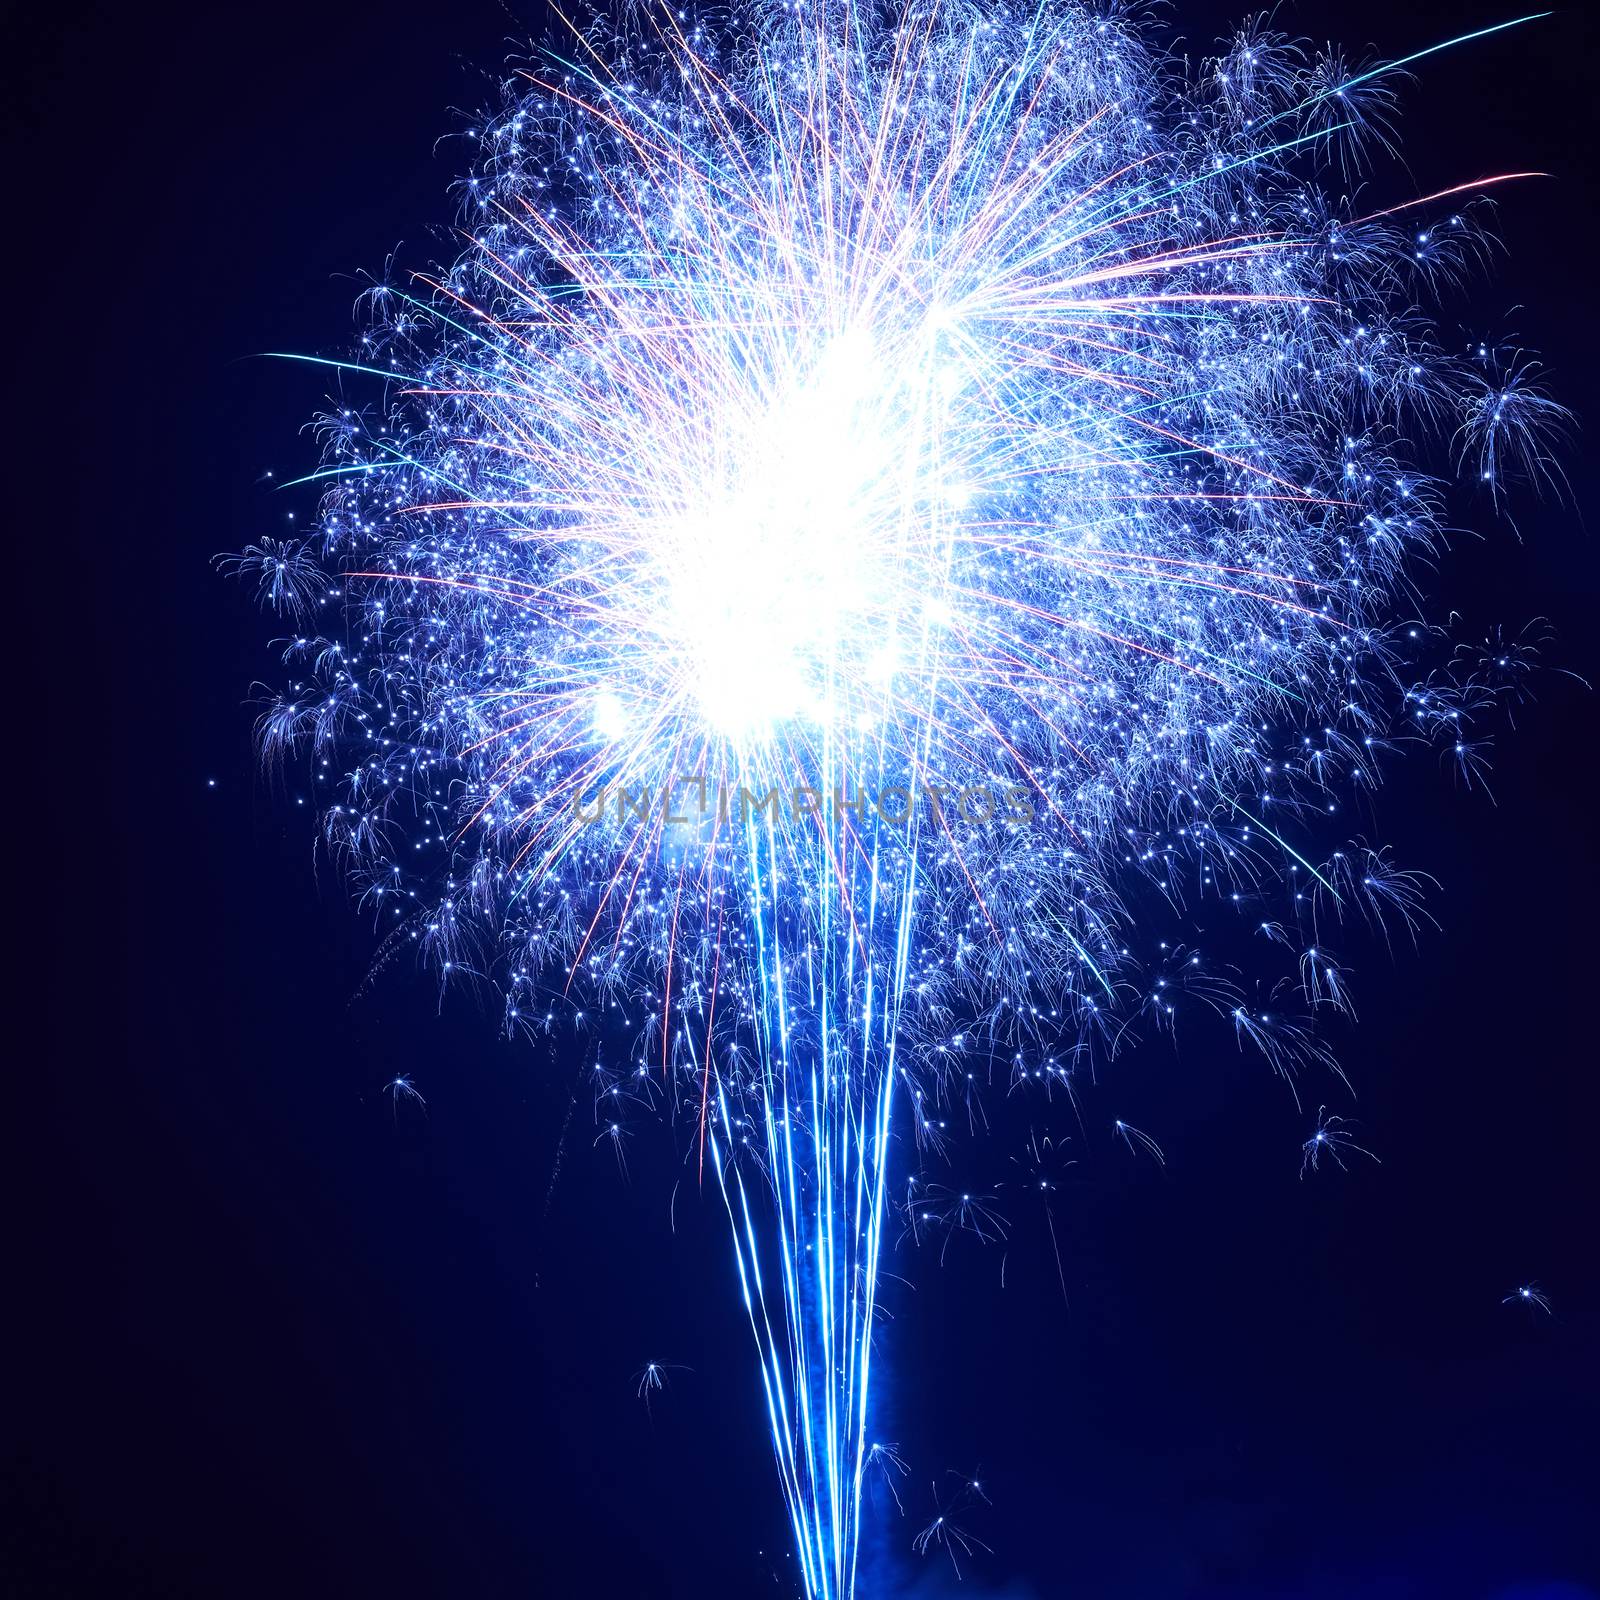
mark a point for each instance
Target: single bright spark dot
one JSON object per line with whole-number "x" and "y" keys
{"x": 1530, "y": 1295}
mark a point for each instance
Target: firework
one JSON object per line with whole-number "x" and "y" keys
{"x": 877, "y": 495}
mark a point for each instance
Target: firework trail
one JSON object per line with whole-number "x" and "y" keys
{"x": 877, "y": 494}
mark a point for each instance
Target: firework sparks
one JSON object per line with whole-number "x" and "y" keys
{"x": 871, "y": 501}
{"x": 1531, "y": 1296}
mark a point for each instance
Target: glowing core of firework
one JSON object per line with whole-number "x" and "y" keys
{"x": 787, "y": 588}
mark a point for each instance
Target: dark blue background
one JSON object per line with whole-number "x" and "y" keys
{"x": 283, "y": 1336}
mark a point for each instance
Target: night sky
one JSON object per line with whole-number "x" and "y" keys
{"x": 285, "y": 1335}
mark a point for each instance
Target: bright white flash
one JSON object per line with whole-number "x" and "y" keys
{"x": 788, "y": 588}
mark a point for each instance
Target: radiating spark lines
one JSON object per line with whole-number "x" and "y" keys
{"x": 835, "y": 415}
